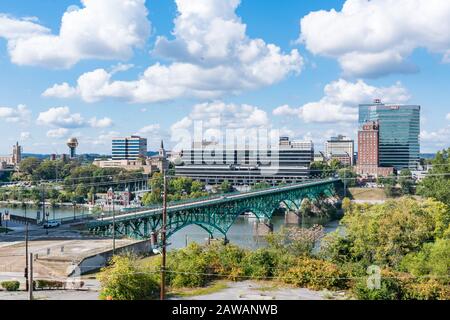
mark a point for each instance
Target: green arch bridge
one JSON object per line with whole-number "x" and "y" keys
{"x": 213, "y": 214}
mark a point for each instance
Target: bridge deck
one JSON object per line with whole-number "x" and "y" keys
{"x": 218, "y": 200}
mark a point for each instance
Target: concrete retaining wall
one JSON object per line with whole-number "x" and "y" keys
{"x": 95, "y": 262}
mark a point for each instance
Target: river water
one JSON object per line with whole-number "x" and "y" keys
{"x": 241, "y": 233}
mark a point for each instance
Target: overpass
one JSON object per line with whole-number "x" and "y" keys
{"x": 213, "y": 213}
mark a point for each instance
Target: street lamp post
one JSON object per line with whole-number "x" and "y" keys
{"x": 44, "y": 215}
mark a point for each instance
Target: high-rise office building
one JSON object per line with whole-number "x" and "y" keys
{"x": 341, "y": 148}
{"x": 399, "y": 129}
{"x": 129, "y": 148}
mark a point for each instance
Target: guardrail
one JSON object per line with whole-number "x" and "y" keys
{"x": 20, "y": 219}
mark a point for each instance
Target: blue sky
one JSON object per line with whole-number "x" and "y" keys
{"x": 153, "y": 74}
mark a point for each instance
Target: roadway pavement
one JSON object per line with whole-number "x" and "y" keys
{"x": 57, "y": 252}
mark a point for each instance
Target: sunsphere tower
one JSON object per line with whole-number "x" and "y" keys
{"x": 72, "y": 143}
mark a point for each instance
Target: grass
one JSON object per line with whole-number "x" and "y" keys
{"x": 367, "y": 194}
{"x": 192, "y": 292}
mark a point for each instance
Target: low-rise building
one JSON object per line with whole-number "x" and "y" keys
{"x": 212, "y": 163}
{"x": 148, "y": 165}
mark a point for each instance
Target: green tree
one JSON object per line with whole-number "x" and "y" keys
{"x": 180, "y": 186}
{"x": 433, "y": 259}
{"x": 383, "y": 234}
{"x": 125, "y": 280}
{"x": 152, "y": 198}
{"x": 437, "y": 184}
{"x": 306, "y": 208}
{"x": 348, "y": 176}
{"x": 389, "y": 184}
{"x": 346, "y": 204}
{"x": 406, "y": 181}
{"x": 29, "y": 165}
{"x": 197, "y": 186}
{"x": 226, "y": 187}
{"x": 261, "y": 185}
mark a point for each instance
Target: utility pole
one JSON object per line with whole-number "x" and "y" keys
{"x": 345, "y": 183}
{"x": 26, "y": 256}
{"x": 163, "y": 239}
{"x": 30, "y": 278}
{"x": 114, "y": 224}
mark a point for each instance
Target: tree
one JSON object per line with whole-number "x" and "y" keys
{"x": 348, "y": 176}
{"x": 197, "y": 186}
{"x": 125, "y": 280}
{"x": 180, "y": 185}
{"x": 320, "y": 169}
{"x": 157, "y": 181}
{"x": 152, "y": 198}
{"x": 389, "y": 183}
{"x": 346, "y": 204}
{"x": 335, "y": 165}
{"x": 437, "y": 184}
{"x": 28, "y": 165}
{"x": 261, "y": 185}
{"x": 383, "y": 234}
{"x": 226, "y": 187}
{"x": 306, "y": 207}
{"x": 406, "y": 181}
{"x": 433, "y": 259}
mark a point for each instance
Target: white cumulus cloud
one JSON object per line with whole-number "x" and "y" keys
{"x": 58, "y": 133}
{"x": 25, "y": 136}
{"x": 373, "y": 38}
{"x": 101, "y": 123}
{"x": 101, "y": 29}
{"x": 341, "y": 99}
{"x": 214, "y": 118}
{"x": 211, "y": 55}
{"x": 62, "y": 117}
{"x": 19, "y": 114}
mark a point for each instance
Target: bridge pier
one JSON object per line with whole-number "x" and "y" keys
{"x": 291, "y": 218}
{"x": 262, "y": 228}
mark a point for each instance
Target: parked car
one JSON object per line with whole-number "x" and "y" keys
{"x": 51, "y": 224}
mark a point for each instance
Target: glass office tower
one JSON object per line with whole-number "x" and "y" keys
{"x": 399, "y": 145}
{"x": 129, "y": 148}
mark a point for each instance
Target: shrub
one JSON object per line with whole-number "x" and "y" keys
{"x": 260, "y": 264}
{"x": 11, "y": 285}
{"x": 49, "y": 285}
{"x": 315, "y": 274}
{"x": 224, "y": 259}
{"x": 428, "y": 290}
{"x": 391, "y": 287}
{"x": 125, "y": 280}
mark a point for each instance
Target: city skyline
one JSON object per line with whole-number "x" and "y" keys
{"x": 158, "y": 75}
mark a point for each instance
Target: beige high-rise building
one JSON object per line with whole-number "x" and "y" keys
{"x": 341, "y": 148}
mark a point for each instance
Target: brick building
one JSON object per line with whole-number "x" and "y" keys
{"x": 368, "y": 151}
